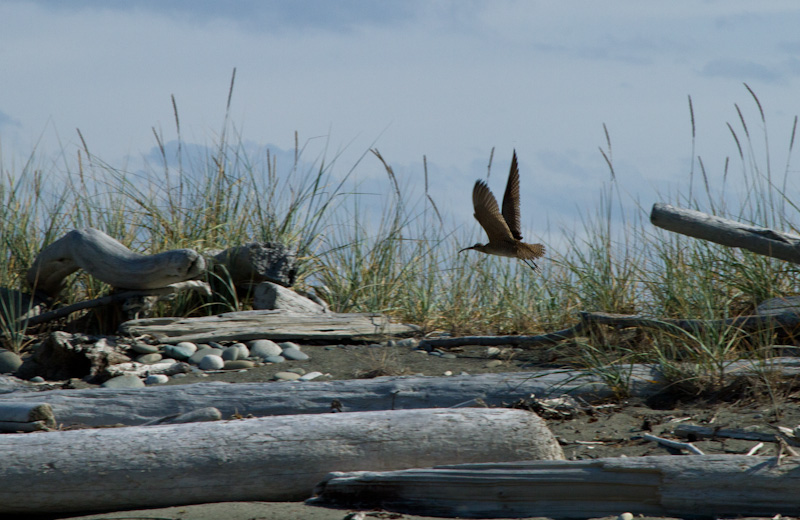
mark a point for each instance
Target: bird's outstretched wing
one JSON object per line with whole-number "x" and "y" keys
{"x": 511, "y": 200}
{"x": 487, "y": 213}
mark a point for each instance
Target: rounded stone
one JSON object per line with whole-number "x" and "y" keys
{"x": 124, "y": 381}
{"x": 181, "y": 351}
{"x": 149, "y": 359}
{"x": 288, "y": 344}
{"x": 449, "y": 356}
{"x": 274, "y": 359}
{"x": 203, "y": 352}
{"x": 230, "y": 353}
{"x": 310, "y": 376}
{"x": 156, "y": 379}
{"x": 408, "y": 342}
{"x": 295, "y": 354}
{"x": 286, "y": 376}
{"x": 144, "y": 348}
{"x": 297, "y": 370}
{"x": 9, "y": 362}
{"x": 244, "y": 352}
{"x": 238, "y": 364}
{"x": 211, "y": 362}
{"x": 494, "y": 363}
{"x": 264, "y": 348}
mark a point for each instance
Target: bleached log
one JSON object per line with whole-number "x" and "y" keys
{"x": 706, "y": 432}
{"x": 274, "y": 458}
{"x": 787, "y": 320}
{"x": 274, "y": 325}
{"x": 550, "y": 338}
{"x": 26, "y": 416}
{"x": 706, "y": 486}
{"x": 109, "y": 261}
{"x": 759, "y": 240}
{"x": 103, "y": 406}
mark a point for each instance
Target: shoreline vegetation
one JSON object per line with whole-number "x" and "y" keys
{"x": 406, "y": 263}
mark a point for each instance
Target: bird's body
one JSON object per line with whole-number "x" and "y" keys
{"x": 502, "y": 229}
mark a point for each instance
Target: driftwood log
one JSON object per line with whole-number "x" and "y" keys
{"x": 759, "y": 240}
{"x": 704, "y": 486}
{"x": 276, "y": 458}
{"x": 26, "y": 416}
{"x": 104, "y": 406}
{"x": 109, "y": 261}
{"x": 274, "y": 325}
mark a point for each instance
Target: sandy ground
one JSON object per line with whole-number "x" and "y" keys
{"x": 611, "y": 430}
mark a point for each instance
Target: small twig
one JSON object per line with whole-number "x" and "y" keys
{"x": 755, "y": 449}
{"x": 688, "y": 446}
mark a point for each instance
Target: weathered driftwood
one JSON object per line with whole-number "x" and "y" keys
{"x": 274, "y": 325}
{"x": 257, "y": 262}
{"x": 104, "y": 406}
{"x": 273, "y": 458}
{"x": 787, "y": 320}
{"x": 108, "y": 260}
{"x": 692, "y": 431}
{"x": 58, "y": 357}
{"x": 551, "y": 338}
{"x": 762, "y": 241}
{"x": 26, "y": 416}
{"x": 161, "y": 293}
{"x": 706, "y": 486}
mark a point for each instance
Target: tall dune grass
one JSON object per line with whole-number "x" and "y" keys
{"x": 405, "y": 263}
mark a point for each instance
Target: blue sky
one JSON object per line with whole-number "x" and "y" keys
{"x": 445, "y": 79}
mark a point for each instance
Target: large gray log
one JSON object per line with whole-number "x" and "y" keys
{"x": 274, "y": 325}
{"x": 705, "y": 486}
{"x": 730, "y": 233}
{"x": 108, "y": 260}
{"x": 104, "y": 406}
{"x": 275, "y": 458}
{"x": 258, "y": 262}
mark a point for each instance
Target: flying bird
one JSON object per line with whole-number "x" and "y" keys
{"x": 502, "y": 229}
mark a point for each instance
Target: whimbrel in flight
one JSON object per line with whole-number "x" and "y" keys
{"x": 505, "y": 238}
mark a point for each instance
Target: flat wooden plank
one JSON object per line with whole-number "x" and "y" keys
{"x": 274, "y": 325}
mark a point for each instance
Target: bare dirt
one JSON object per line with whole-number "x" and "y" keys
{"x": 610, "y": 429}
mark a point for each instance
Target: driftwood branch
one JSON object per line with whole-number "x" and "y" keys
{"x": 161, "y": 293}
{"x": 706, "y": 486}
{"x": 726, "y": 232}
{"x": 274, "y": 458}
{"x": 109, "y": 261}
{"x": 551, "y": 338}
{"x": 787, "y": 320}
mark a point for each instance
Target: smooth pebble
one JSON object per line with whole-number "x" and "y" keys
{"x": 492, "y": 351}
{"x": 124, "y": 381}
{"x": 156, "y": 379}
{"x": 9, "y": 362}
{"x": 149, "y": 359}
{"x": 264, "y": 348}
{"x": 144, "y": 348}
{"x": 449, "y": 356}
{"x": 493, "y": 363}
{"x": 625, "y": 516}
{"x": 408, "y": 342}
{"x": 295, "y": 354}
{"x": 297, "y": 370}
{"x": 182, "y": 351}
{"x": 203, "y": 352}
{"x": 211, "y": 362}
{"x": 238, "y": 364}
{"x": 286, "y": 376}
{"x": 310, "y": 376}
{"x": 274, "y": 359}
{"x": 230, "y": 354}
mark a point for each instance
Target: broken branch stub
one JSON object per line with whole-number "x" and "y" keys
{"x": 258, "y": 262}
{"x": 111, "y": 262}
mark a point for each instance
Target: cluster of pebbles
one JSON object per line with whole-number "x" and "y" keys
{"x": 186, "y": 357}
